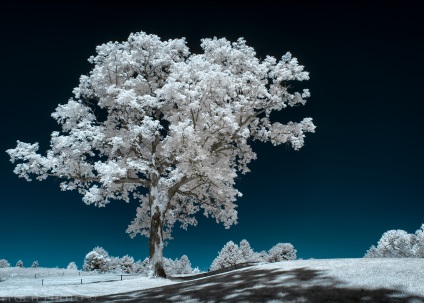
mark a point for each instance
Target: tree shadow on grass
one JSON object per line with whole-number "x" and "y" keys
{"x": 261, "y": 285}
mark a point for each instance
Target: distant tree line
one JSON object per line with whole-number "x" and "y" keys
{"x": 100, "y": 261}
{"x": 231, "y": 254}
{"x": 4, "y": 264}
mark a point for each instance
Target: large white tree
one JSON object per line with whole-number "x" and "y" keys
{"x": 171, "y": 129}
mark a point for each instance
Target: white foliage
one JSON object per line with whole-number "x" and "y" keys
{"x": 34, "y": 264}
{"x": 232, "y": 254}
{"x": 395, "y": 244}
{"x": 114, "y": 264}
{"x": 246, "y": 251}
{"x": 261, "y": 256}
{"x": 398, "y": 244}
{"x": 168, "y": 265}
{"x": 418, "y": 247}
{"x": 72, "y": 266}
{"x": 229, "y": 255}
{"x": 178, "y": 266}
{"x": 183, "y": 266}
{"x": 97, "y": 260}
{"x": 282, "y": 252}
{"x": 152, "y": 115}
{"x": 20, "y": 263}
{"x": 372, "y": 252}
{"x": 127, "y": 264}
{"x": 4, "y": 263}
{"x": 141, "y": 267}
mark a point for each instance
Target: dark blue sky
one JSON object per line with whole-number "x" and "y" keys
{"x": 359, "y": 175}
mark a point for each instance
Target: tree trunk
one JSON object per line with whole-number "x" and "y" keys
{"x": 156, "y": 243}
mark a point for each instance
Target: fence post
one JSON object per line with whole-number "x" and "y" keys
{"x": 35, "y": 276}
{"x": 121, "y": 277}
{"x": 81, "y": 281}
{"x": 42, "y": 281}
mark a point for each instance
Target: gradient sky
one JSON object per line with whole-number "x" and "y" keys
{"x": 358, "y": 176}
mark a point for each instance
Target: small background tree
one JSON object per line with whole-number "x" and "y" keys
{"x": 114, "y": 264}
{"x": 34, "y": 264}
{"x": 282, "y": 252}
{"x": 4, "y": 263}
{"x": 398, "y": 244}
{"x": 20, "y": 263}
{"x": 261, "y": 256}
{"x": 72, "y": 266}
{"x": 229, "y": 255}
{"x": 246, "y": 251}
{"x": 140, "y": 268}
{"x": 127, "y": 264}
{"x": 182, "y": 266}
{"x": 97, "y": 260}
{"x": 418, "y": 248}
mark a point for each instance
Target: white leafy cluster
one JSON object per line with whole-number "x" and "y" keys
{"x": 398, "y": 244}
{"x": 72, "y": 266}
{"x": 152, "y": 115}
{"x": 180, "y": 266}
{"x": 4, "y": 263}
{"x": 229, "y": 255}
{"x": 232, "y": 254}
{"x": 100, "y": 261}
{"x": 282, "y": 252}
{"x": 127, "y": 264}
{"x": 97, "y": 260}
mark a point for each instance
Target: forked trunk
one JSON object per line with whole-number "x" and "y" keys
{"x": 156, "y": 243}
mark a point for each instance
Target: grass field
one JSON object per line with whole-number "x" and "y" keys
{"x": 333, "y": 280}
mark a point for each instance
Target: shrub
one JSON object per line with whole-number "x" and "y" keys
{"x": 182, "y": 266}
{"x": 34, "y": 264}
{"x": 372, "y": 252}
{"x": 72, "y": 266}
{"x": 178, "y": 266}
{"x": 114, "y": 264}
{"x": 398, "y": 244}
{"x": 395, "y": 244}
{"x": 97, "y": 260}
{"x": 229, "y": 255}
{"x": 127, "y": 264}
{"x": 232, "y": 254}
{"x": 282, "y": 252}
{"x": 418, "y": 247}
{"x": 260, "y": 256}
{"x": 4, "y": 263}
{"x": 246, "y": 251}
{"x": 20, "y": 263}
{"x": 140, "y": 267}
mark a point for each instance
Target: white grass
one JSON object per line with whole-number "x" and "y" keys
{"x": 403, "y": 275}
{"x": 406, "y": 274}
{"x": 27, "y": 282}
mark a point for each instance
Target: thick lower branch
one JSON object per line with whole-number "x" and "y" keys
{"x": 172, "y": 191}
{"x": 98, "y": 179}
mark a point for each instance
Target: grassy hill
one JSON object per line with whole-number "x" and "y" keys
{"x": 333, "y": 280}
